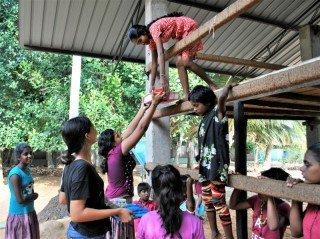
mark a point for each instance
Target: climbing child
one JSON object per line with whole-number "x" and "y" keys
{"x": 213, "y": 154}
{"x": 307, "y": 223}
{"x": 169, "y": 221}
{"x": 144, "y": 190}
{"x": 270, "y": 216}
{"x": 155, "y": 34}
{"x": 22, "y": 221}
{"x": 189, "y": 203}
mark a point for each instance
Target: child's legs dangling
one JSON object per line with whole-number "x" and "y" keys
{"x": 181, "y": 63}
{"x": 199, "y": 71}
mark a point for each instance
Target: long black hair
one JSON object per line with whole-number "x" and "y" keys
{"x": 137, "y": 30}
{"x": 106, "y": 142}
{"x": 74, "y": 134}
{"x": 167, "y": 186}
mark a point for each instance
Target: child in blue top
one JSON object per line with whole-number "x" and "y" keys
{"x": 22, "y": 221}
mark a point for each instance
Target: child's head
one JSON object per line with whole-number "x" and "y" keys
{"x": 311, "y": 164}
{"x": 139, "y": 35}
{"x": 106, "y": 141}
{"x": 23, "y": 154}
{"x": 144, "y": 191}
{"x": 276, "y": 174}
{"x": 202, "y": 99}
{"x": 77, "y": 133}
{"x": 167, "y": 186}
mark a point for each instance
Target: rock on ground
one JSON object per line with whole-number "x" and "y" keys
{"x": 53, "y": 211}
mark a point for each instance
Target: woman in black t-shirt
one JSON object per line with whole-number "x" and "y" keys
{"x": 82, "y": 187}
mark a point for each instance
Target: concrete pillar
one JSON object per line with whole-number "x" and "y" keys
{"x": 75, "y": 87}
{"x": 310, "y": 48}
{"x": 158, "y": 134}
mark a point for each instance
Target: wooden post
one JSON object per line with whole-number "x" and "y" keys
{"x": 310, "y": 47}
{"x": 75, "y": 87}
{"x": 240, "y": 138}
{"x": 158, "y": 143}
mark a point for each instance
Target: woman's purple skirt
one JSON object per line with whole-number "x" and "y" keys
{"x": 24, "y": 226}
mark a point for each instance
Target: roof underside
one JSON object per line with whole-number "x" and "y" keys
{"x": 267, "y": 33}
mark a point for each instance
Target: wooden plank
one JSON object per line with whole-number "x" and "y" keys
{"x": 179, "y": 108}
{"x": 280, "y": 105}
{"x": 302, "y": 192}
{"x": 227, "y": 15}
{"x": 238, "y": 61}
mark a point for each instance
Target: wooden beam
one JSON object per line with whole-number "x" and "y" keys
{"x": 301, "y": 75}
{"x": 238, "y": 61}
{"x": 306, "y": 74}
{"x": 301, "y": 97}
{"x": 240, "y": 142}
{"x": 280, "y": 105}
{"x": 227, "y": 15}
{"x": 302, "y": 192}
{"x": 179, "y": 108}
{"x": 246, "y": 16}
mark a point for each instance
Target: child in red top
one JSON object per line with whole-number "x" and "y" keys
{"x": 144, "y": 190}
{"x": 307, "y": 224}
{"x": 171, "y": 26}
{"x": 270, "y": 215}
{"x": 144, "y": 197}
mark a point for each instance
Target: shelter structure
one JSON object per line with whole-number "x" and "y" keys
{"x": 245, "y": 38}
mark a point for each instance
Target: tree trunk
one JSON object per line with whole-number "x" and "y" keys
{"x": 191, "y": 156}
{"x": 267, "y": 158}
{"x": 50, "y": 163}
{"x": 178, "y": 152}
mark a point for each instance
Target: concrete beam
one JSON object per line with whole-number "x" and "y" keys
{"x": 227, "y": 15}
{"x": 238, "y": 61}
{"x": 302, "y": 192}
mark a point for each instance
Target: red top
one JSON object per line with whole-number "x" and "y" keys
{"x": 311, "y": 222}
{"x": 174, "y": 28}
{"x": 260, "y": 229}
{"x": 150, "y": 205}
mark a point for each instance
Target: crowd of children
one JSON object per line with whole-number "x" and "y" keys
{"x": 174, "y": 213}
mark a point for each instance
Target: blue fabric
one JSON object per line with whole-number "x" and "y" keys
{"x": 73, "y": 234}
{"x": 26, "y": 180}
{"x": 137, "y": 210}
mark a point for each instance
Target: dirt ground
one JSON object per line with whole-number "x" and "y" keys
{"x": 47, "y": 187}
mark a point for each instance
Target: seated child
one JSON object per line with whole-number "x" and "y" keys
{"x": 144, "y": 197}
{"x": 270, "y": 215}
{"x": 189, "y": 204}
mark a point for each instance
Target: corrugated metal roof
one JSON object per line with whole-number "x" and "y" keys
{"x": 98, "y": 28}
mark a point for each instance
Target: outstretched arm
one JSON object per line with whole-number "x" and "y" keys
{"x": 190, "y": 199}
{"x": 160, "y": 52}
{"x": 134, "y": 123}
{"x": 153, "y": 70}
{"x": 222, "y": 101}
{"x": 128, "y": 143}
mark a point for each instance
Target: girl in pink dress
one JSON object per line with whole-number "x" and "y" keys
{"x": 307, "y": 224}
{"x": 172, "y": 26}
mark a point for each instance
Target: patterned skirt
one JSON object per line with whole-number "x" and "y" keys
{"x": 24, "y": 226}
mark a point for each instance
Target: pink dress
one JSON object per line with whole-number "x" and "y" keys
{"x": 175, "y": 28}
{"x": 261, "y": 230}
{"x": 150, "y": 227}
{"x": 311, "y": 222}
